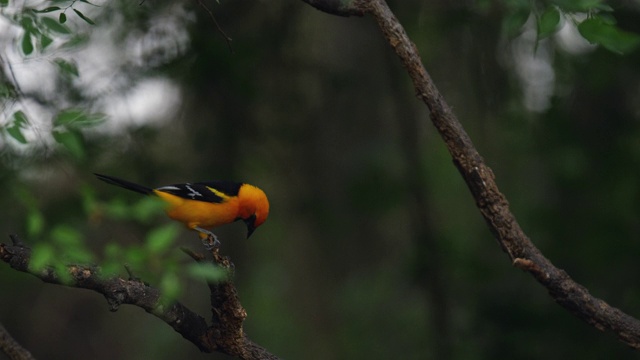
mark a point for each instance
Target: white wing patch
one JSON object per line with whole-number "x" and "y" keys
{"x": 170, "y": 187}
{"x": 184, "y": 190}
{"x": 197, "y": 191}
{"x": 192, "y": 192}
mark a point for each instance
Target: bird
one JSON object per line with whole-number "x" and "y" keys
{"x": 202, "y": 206}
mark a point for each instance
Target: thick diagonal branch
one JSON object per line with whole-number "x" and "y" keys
{"x": 481, "y": 181}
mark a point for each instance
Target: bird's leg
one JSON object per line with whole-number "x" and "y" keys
{"x": 207, "y": 242}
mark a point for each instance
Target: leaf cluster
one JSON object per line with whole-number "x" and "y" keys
{"x": 594, "y": 19}
{"x": 156, "y": 259}
{"x": 40, "y": 29}
{"x": 67, "y": 126}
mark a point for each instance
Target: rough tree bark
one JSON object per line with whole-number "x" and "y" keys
{"x": 492, "y": 204}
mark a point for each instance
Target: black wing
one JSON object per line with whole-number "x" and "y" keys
{"x": 211, "y": 191}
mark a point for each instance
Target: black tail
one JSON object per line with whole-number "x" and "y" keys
{"x": 125, "y": 184}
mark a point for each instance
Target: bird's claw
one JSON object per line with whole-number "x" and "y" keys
{"x": 211, "y": 242}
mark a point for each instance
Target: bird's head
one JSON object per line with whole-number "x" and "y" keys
{"x": 254, "y": 207}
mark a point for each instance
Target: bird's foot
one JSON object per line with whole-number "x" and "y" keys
{"x": 211, "y": 241}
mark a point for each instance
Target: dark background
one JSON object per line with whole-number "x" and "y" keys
{"x": 374, "y": 248}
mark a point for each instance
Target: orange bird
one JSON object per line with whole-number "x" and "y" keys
{"x": 205, "y": 205}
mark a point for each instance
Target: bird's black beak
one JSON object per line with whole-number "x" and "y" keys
{"x": 251, "y": 227}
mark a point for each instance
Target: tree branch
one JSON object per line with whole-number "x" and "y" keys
{"x": 224, "y": 335}
{"x": 215, "y": 22}
{"x": 492, "y": 204}
{"x": 11, "y": 348}
{"x": 339, "y": 7}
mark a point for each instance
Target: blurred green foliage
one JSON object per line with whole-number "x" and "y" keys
{"x": 374, "y": 248}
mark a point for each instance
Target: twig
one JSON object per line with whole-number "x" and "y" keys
{"x": 11, "y": 348}
{"x": 215, "y": 22}
{"x": 481, "y": 181}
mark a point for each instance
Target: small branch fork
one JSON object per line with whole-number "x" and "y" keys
{"x": 481, "y": 181}
{"x": 224, "y": 335}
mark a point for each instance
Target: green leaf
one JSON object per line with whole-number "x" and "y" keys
{"x": 597, "y": 31}
{"x": 83, "y": 17}
{"x": 170, "y": 286}
{"x": 161, "y": 238}
{"x": 26, "y": 197}
{"x": 75, "y": 118}
{"x": 70, "y": 241}
{"x": 27, "y": 43}
{"x": 604, "y": 7}
{"x": 113, "y": 251}
{"x": 6, "y": 90}
{"x": 89, "y": 202}
{"x": 45, "y": 41}
{"x": 147, "y": 208}
{"x": 67, "y": 67}
{"x": 4, "y": 2}
{"x": 512, "y": 23}
{"x": 62, "y": 18}
{"x": 578, "y": 5}
{"x": 46, "y": 10}
{"x": 16, "y": 133}
{"x": 42, "y": 255}
{"x": 548, "y": 22}
{"x": 117, "y": 209}
{"x": 110, "y": 268}
{"x": 66, "y": 236}
{"x": 135, "y": 256}
{"x": 26, "y": 22}
{"x": 35, "y": 223}
{"x": 71, "y": 140}
{"x": 77, "y": 254}
{"x": 55, "y": 26}
{"x": 113, "y": 258}
{"x": 607, "y": 18}
{"x": 18, "y": 122}
{"x": 210, "y": 272}
{"x": 76, "y": 40}
{"x": 19, "y": 118}
{"x": 62, "y": 271}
